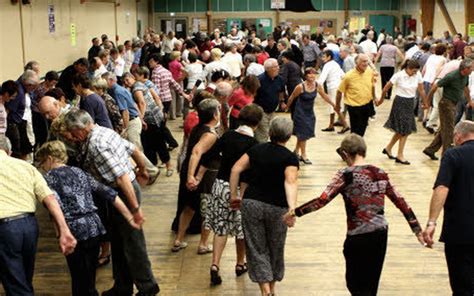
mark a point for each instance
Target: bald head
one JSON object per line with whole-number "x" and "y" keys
{"x": 49, "y": 107}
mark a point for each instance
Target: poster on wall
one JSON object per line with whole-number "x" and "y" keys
{"x": 73, "y": 34}
{"x": 51, "y": 22}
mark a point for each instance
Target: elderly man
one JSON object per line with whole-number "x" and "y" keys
{"x": 453, "y": 192}
{"x": 251, "y": 65}
{"x": 20, "y": 128}
{"x": 455, "y": 87}
{"x": 369, "y": 46}
{"x": 311, "y": 52}
{"x": 222, "y": 94}
{"x": 106, "y": 155}
{"x": 22, "y": 185}
{"x": 358, "y": 89}
{"x": 50, "y": 108}
{"x": 269, "y": 96}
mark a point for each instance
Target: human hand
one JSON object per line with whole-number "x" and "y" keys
{"x": 378, "y": 102}
{"x": 470, "y": 105}
{"x": 192, "y": 183}
{"x": 289, "y": 219}
{"x": 138, "y": 217}
{"x": 135, "y": 225}
{"x": 144, "y": 126}
{"x": 428, "y": 235}
{"x": 235, "y": 203}
{"x": 67, "y": 243}
{"x": 421, "y": 239}
{"x": 142, "y": 176}
{"x": 283, "y": 106}
{"x": 337, "y": 108}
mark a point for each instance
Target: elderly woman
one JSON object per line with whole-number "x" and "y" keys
{"x": 388, "y": 54}
{"x": 75, "y": 190}
{"x": 100, "y": 86}
{"x": 218, "y": 216}
{"x": 363, "y": 187}
{"x": 401, "y": 120}
{"x": 202, "y": 138}
{"x": 271, "y": 192}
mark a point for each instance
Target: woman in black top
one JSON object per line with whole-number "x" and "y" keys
{"x": 271, "y": 192}
{"x": 218, "y": 216}
{"x": 202, "y": 138}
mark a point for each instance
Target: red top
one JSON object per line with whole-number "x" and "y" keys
{"x": 190, "y": 122}
{"x": 175, "y": 69}
{"x": 238, "y": 100}
{"x": 262, "y": 57}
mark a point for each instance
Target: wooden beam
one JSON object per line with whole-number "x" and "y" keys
{"x": 447, "y": 17}
{"x": 427, "y": 15}
{"x": 468, "y": 14}
{"x": 209, "y": 17}
{"x": 346, "y": 11}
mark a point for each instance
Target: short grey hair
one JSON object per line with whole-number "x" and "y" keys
{"x": 281, "y": 129}
{"x": 30, "y": 77}
{"x": 77, "y": 119}
{"x": 353, "y": 145}
{"x": 223, "y": 89}
{"x": 389, "y": 39}
{"x": 100, "y": 83}
{"x": 109, "y": 76}
{"x": 269, "y": 63}
{"x": 250, "y": 58}
{"x": 466, "y": 63}
{"x": 5, "y": 144}
{"x": 464, "y": 127}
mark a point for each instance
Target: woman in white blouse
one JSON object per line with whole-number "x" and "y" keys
{"x": 331, "y": 75}
{"x": 401, "y": 120}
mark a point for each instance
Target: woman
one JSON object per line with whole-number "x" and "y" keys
{"x": 75, "y": 190}
{"x": 242, "y": 97}
{"x": 194, "y": 72}
{"x": 179, "y": 74}
{"x": 271, "y": 192}
{"x": 431, "y": 70}
{"x": 216, "y": 64}
{"x": 331, "y": 75}
{"x": 401, "y": 119}
{"x": 99, "y": 86}
{"x": 191, "y": 182}
{"x": 219, "y": 218}
{"x": 153, "y": 137}
{"x": 363, "y": 188}
{"x": 304, "y": 118}
{"x": 388, "y": 52}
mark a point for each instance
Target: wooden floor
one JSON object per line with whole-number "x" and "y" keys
{"x": 314, "y": 259}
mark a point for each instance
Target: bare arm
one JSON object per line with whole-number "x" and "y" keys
{"x": 140, "y": 100}
{"x": 241, "y": 165}
{"x": 157, "y": 98}
{"x": 400, "y": 54}
{"x": 126, "y": 118}
{"x": 291, "y": 186}
{"x": 387, "y": 87}
{"x": 122, "y": 208}
{"x": 433, "y": 89}
{"x": 204, "y": 144}
{"x": 296, "y": 92}
{"x": 438, "y": 200}
{"x": 324, "y": 95}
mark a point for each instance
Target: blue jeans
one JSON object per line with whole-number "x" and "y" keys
{"x": 18, "y": 241}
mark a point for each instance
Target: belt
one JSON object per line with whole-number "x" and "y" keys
{"x": 17, "y": 217}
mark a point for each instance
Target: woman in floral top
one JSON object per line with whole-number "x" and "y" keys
{"x": 363, "y": 188}
{"x": 74, "y": 189}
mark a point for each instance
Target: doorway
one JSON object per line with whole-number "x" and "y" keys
{"x": 179, "y": 26}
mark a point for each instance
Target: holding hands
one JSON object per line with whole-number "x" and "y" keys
{"x": 290, "y": 218}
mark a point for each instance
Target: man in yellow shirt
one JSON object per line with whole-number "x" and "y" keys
{"x": 358, "y": 89}
{"x": 21, "y": 185}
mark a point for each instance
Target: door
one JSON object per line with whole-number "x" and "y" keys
{"x": 180, "y": 28}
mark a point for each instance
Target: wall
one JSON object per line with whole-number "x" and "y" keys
{"x": 54, "y": 51}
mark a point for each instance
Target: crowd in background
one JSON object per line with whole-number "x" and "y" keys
{"x": 98, "y": 131}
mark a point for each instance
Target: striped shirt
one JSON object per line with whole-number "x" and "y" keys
{"x": 163, "y": 79}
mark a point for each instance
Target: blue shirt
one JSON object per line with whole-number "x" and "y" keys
{"x": 16, "y": 107}
{"x": 137, "y": 56}
{"x": 268, "y": 94}
{"x": 95, "y": 106}
{"x": 124, "y": 100}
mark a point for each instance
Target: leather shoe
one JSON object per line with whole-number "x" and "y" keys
{"x": 397, "y": 160}
{"x": 430, "y": 155}
{"x": 390, "y": 156}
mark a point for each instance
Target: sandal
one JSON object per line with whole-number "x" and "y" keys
{"x": 169, "y": 172}
{"x": 204, "y": 250}
{"x": 179, "y": 246}
{"x": 103, "y": 260}
{"x": 215, "y": 277}
{"x": 240, "y": 269}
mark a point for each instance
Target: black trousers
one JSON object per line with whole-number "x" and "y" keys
{"x": 82, "y": 266}
{"x": 359, "y": 117}
{"x": 154, "y": 141}
{"x": 170, "y": 140}
{"x": 387, "y": 73}
{"x": 364, "y": 255}
{"x": 40, "y": 128}
{"x": 460, "y": 259}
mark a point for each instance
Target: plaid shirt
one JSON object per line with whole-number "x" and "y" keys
{"x": 163, "y": 79}
{"x": 106, "y": 155}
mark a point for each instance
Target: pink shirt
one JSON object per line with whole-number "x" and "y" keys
{"x": 449, "y": 67}
{"x": 175, "y": 69}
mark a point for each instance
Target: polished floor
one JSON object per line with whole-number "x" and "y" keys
{"x": 314, "y": 259}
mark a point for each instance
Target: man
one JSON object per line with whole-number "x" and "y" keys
{"x": 369, "y": 46}
{"x": 222, "y": 94}
{"x": 20, "y": 125}
{"x": 455, "y": 87}
{"x": 50, "y": 108}
{"x": 348, "y": 61}
{"x": 358, "y": 89}
{"x": 269, "y": 96}
{"x": 233, "y": 59}
{"x": 311, "y": 52}
{"x": 251, "y": 65}
{"x": 272, "y": 48}
{"x": 118, "y": 63}
{"x": 459, "y": 45}
{"x": 22, "y": 185}
{"x": 106, "y": 156}
{"x": 95, "y": 48}
{"x": 65, "y": 80}
{"x": 131, "y": 120}
{"x": 8, "y": 91}
{"x": 453, "y": 192}
{"x": 261, "y": 32}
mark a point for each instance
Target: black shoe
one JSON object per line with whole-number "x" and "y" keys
{"x": 172, "y": 147}
{"x": 397, "y": 160}
{"x": 110, "y": 292}
{"x": 240, "y": 269}
{"x": 430, "y": 155}
{"x": 390, "y": 156}
{"x": 328, "y": 129}
{"x": 215, "y": 277}
{"x": 153, "y": 292}
{"x": 337, "y": 123}
{"x": 430, "y": 129}
{"x": 344, "y": 130}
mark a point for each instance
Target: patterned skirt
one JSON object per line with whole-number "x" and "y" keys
{"x": 219, "y": 217}
{"x": 401, "y": 119}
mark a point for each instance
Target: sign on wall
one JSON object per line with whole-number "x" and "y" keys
{"x": 73, "y": 34}
{"x": 51, "y": 22}
{"x": 278, "y": 4}
{"x": 470, "y": 30}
